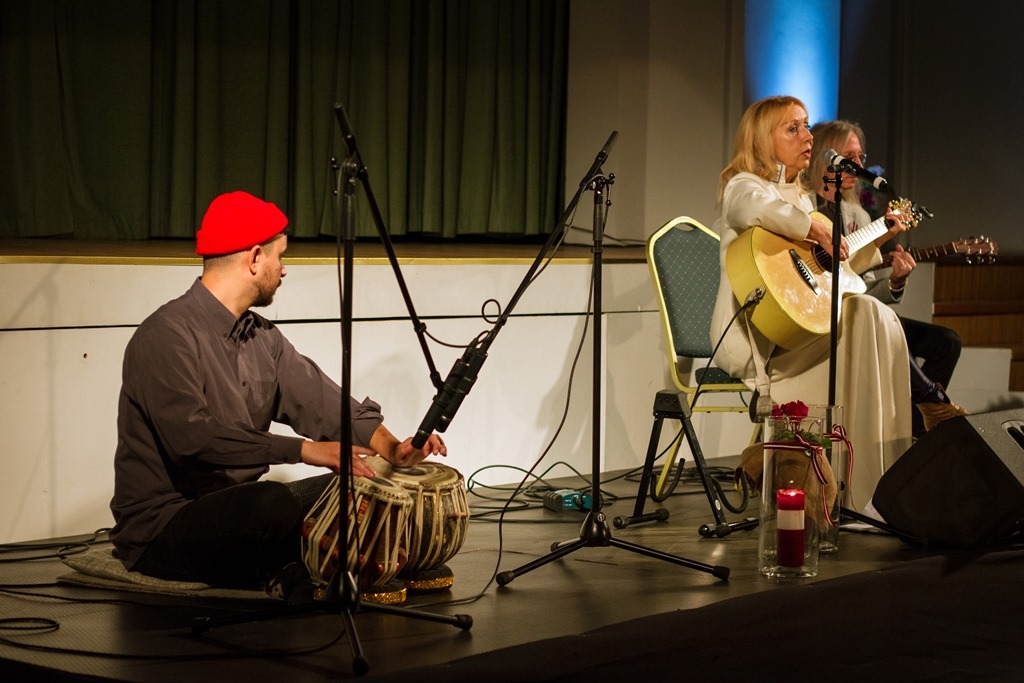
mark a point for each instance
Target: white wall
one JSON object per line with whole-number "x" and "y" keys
{"x": 655, "y": 71}
{"x": 663, "y": 74}
{"x": 64, "y": 328}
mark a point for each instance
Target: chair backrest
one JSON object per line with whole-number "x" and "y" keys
{"x": 683, "y": 257}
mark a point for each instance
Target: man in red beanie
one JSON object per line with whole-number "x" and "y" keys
{"x": 202, "y": 380}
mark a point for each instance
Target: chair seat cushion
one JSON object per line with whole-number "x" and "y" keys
{"x": 714, "y": 375}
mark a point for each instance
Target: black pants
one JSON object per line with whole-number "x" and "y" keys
{"x": 939, "y": 350}
{"x": 235, "y": 538}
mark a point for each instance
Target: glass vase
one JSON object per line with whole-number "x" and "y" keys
{"x": 792, "y": 507}
{"x": 835, "y": 453}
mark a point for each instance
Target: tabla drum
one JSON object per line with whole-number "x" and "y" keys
{"x": 378, "y": 512}
{"x": 438, "y": 520}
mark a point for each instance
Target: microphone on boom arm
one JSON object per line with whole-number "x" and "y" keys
{"x": 448, "y": 399}
{"x": 838, "y": 161}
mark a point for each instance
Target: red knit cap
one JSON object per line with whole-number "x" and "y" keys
{"x": 236, "y": 221}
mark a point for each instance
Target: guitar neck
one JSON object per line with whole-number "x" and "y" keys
{"x": 974, "y": 250}
{"x": 932, "y": 253}
{"x": 862, "y": 237}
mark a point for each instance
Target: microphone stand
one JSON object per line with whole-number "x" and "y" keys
{"x": 837, "y": 233}
{"x": 595, "y": 530}
{"x": 343, "y": 592}
{"x": 839, "y": 230}
{"x": 837, "y": 236}
{"x": 836, "y": 180}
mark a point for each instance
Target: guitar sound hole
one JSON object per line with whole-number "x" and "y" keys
{"x": 822, "y": 258}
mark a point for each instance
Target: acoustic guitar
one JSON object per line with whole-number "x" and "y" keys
{"x": 796, "y": 277}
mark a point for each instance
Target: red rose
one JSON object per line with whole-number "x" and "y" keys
{"x": 791, "y": 409}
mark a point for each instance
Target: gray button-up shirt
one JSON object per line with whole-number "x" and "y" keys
{"x": 199, "y": 392}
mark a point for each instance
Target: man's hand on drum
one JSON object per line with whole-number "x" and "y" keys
{"x": 328, "y": 454}
{"x": 405, "y": 455}
{"x": 402, "y": 453}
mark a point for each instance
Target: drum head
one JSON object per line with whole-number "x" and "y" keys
{"x": 427, "y": 475}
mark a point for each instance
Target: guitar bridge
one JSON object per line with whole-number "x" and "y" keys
{"x": 801, "y": 268}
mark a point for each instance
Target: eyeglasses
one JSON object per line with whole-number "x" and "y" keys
{"x": 860, "y": 156}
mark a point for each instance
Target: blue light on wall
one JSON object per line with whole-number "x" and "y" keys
{"x": 792, "y": 48}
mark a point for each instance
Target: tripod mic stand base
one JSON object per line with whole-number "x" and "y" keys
{"x": 595, "y": 532}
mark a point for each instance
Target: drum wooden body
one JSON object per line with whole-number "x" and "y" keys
{"x": 439, "y": 516}
{"x": 378, "y": 513}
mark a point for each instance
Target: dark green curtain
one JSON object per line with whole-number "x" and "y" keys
{"x": 122, "y": 119}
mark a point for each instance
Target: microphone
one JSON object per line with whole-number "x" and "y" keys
{"x": 346, "y": 128}
{"x": 472, "y": 359}
{"x": 845, "y": 165}
{"x": 602, "y": 156}
{"x": 599, "y": 160}
{"x": 447, "y": 401}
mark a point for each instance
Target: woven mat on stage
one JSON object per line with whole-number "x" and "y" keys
{"x": 98, "y": 568}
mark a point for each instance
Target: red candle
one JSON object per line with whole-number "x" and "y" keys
{"x": 790, "y": 527}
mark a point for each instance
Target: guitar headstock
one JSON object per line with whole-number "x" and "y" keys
{"x": 905, "y": 209}
{"x": 977, "y": 249}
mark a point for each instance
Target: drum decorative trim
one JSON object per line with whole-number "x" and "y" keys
{"x": 376, "y": 520}
{"x": 439, "y": 518}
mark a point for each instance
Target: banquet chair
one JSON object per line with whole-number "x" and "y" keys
{"x": 683, "y": 259}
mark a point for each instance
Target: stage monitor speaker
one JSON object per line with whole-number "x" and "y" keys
{"x": 961, "y": 485}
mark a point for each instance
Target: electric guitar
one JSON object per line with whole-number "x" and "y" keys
{"x": 974, "y": 250}
{"x": 796, "y": 277}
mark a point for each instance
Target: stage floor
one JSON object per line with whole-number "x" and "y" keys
{"x": 131, "y": 636}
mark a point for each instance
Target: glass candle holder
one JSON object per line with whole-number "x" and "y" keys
{"x": 836, "y": 454}
{"x": 792, "y": 510}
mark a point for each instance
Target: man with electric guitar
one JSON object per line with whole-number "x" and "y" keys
{"x": 767, "y": 213}
{"x": 938, "y": 347}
